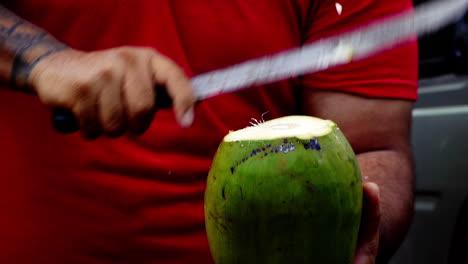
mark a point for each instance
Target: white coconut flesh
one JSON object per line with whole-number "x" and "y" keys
{"x": 302, "y": 127}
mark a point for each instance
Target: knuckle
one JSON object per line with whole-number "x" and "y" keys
{"x": 115, "y": 124}
{"x": 142, "y": 109}
{"x": 99, "y": 79}
{"x": 61, "y": 99}
{"x": 127, "y": 55}
{"x": 147, "y": 51}
{"x": 82, "y": 89}
{"x": 172, "y": 76}
{"x": 177, "y": 72}
{"x": 66, "y": 97}
{"x": 123, "y": 50}
{"x": 177, "y": 75}
{"x": 62, "y": 96}
{"x": 83, "y": 119}
{"x": 106, "y": 74}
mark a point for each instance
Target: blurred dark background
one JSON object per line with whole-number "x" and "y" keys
{"x": 439, "y": 233}
{"x": 446, "y": 51}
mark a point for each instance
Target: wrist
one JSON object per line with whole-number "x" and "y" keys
{"x": 26, "y": 59}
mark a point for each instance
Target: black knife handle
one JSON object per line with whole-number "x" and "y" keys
{"x": 64, "y": 121}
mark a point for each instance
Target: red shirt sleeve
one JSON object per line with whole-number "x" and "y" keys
{"x": 390, "y": 74}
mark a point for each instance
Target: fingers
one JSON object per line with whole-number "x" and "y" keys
{"x": 167, "y": 73}
{"x": 86, "y": 110}
{"x": 140, "y": 99}
{"x": 112, "y": 112}
{"x": 113, "y": 91}
{"x": 371, "y": 205}
{"x": 100, "y": 109}
{"x": 127, "y": 94}
{"x": 368, "y": 243}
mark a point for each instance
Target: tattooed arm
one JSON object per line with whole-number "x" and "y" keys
{"x": 109, "y": 92}
{"x": 22, "y": 46}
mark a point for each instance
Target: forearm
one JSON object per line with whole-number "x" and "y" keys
{"x": 22, "y": 46}
{"x": 392, "y": 170}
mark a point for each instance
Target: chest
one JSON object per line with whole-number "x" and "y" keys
{"x": 206, "y": 34}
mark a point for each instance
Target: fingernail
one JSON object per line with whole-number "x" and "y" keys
{"x": 187, "y": 118}
{"x": 373, "y": 186}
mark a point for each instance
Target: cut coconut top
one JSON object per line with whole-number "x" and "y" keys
{"x": 302, "y": 127}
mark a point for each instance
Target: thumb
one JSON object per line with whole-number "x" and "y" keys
{"x": 178, "y": 87}
{"x": 368, "y": 243}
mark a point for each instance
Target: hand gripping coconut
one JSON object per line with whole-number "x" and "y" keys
{"x": 284, "y": 191}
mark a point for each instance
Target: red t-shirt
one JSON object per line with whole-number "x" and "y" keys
{"x": 140, "y": 199}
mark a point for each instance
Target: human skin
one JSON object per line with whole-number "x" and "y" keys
{"x": 111, "y": 92}
{"x": 379, "y": 132}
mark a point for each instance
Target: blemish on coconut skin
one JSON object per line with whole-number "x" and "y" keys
{"x": 286, "y": 148}
{"x": 278, "y": 149}
{"x": 292, "y": 147}
{"x": 313, "y": 144}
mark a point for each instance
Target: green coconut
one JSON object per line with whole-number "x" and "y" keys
{"x": 284, "y": 191}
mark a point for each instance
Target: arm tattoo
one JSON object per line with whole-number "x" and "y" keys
{"x": 26, "y": 43}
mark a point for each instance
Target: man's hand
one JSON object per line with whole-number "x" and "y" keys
{"x": 368, "y": 243}
{"x": 379, "y": 132}
{"x": 109, "y": 92}
{"x": 112, "y": 91}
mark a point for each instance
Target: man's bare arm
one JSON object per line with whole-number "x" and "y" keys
{"x": 379, "y": 132}
{"x": 22, "y": 46}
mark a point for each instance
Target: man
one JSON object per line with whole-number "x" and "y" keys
{"x": 139, "y": 199}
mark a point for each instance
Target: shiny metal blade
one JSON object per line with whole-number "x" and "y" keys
{"x": 333, "y": 51}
